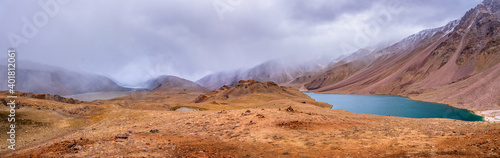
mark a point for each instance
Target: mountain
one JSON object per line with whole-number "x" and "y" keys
{"x": 307, "y": 77}
{"x": 363, "y": 58}
{"x": 173, "y": 84}
{"x": 278, "y": 71}
{"x": 43, "y": 79}
{"x": 216, "y": 80}
{"x": 456, "y": 64}
{"x": 337, "y": 76}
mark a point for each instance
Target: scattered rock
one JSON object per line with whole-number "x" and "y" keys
{"x": 310, "y": 144}
{"x": 154, "y": 131}
{"x": 334, "y": 148}
{"x": 121, "y": 136}
{"x": 246, "y": 113}
{"x": 290, "y": 109}
{"x": 251, "y": 122}
{"x": 286, "y": 153}
{"x": 260, "y": 116}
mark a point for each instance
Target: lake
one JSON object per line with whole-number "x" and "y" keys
{"x": 186, "y": 109}
{"x": 394, "y": 106}
{"x": 100, "y": 95}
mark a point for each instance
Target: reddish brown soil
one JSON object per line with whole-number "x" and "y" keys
{"x": 280, "y": 128}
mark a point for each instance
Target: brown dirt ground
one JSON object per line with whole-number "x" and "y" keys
{"x": 264, "y": 130}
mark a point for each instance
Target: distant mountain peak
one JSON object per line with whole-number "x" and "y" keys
{"x": 278, "y": 71}
{"x": 173, "y": 84}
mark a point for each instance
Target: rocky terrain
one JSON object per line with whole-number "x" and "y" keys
{"x": 141, "y": 126}
{"x": 254, "y": 94}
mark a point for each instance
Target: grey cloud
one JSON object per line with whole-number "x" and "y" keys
{"x": 131, "y": 41}
{"x": 325, "y": 10}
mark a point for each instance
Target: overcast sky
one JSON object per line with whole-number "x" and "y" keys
{"x": 134, "y": 40}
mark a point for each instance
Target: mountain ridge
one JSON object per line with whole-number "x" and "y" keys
{"x": 44, "y": 79}
{"x": 277, "y": 71}
{"x": 168, "y": 83}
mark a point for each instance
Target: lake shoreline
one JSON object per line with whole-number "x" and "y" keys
{"x": 490, "y": 115}
{"x": 485, "y": 117}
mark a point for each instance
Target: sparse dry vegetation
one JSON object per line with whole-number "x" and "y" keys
{"x": 252, "y": 128}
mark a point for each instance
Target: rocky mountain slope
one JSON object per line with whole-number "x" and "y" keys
{"x": 456, "y": 64}
{"x": 284, "y": 73}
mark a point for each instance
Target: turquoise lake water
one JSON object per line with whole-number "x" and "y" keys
{"x": 394, "y": 106}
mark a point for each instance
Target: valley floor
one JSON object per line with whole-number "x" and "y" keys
{"x": 144, "y": 126}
